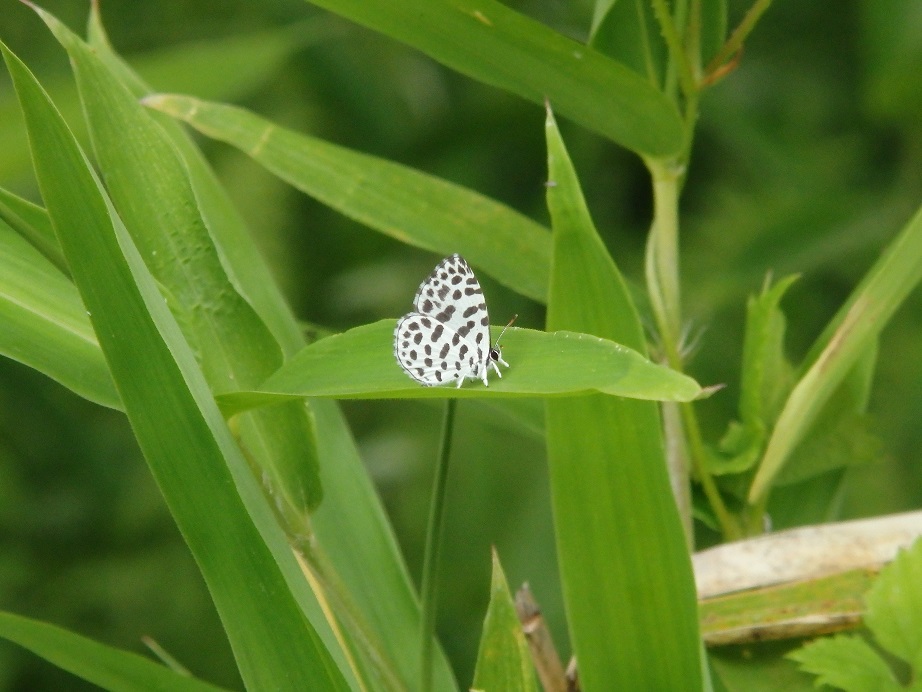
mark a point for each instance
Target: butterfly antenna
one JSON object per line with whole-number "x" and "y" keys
{"x": 514, "y": 318}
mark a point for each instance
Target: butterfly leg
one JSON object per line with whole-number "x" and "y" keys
{"x": 463, "y": 376}
{"x": 496, "y": 368}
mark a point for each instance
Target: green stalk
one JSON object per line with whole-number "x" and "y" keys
{"x": 433, "y": 541}
{"x": 662, "y": 274}
{"x": 674, "y": 44}
{"x": 735, "y": 42}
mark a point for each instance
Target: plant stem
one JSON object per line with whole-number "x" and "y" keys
{"x": 674, "y": 43}
{"x": 735, "y": 42}
{"x": 729, "y": 527}
{"x": 662, "y": 273}
{"x": 662, "y": 260}
{"x": 433, "y": 541}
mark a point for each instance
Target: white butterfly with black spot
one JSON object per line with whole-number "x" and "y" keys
{"x": 447, "y": 338}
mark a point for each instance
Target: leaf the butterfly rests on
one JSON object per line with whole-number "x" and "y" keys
{"x": 447, "y": 337}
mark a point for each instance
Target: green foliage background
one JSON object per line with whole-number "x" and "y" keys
{"x": 806, "y": 161}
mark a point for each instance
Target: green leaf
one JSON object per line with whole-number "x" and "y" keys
{"x": 895, "y": 607}
{"x": 849, "y": 335}
{"x": 764, "y": 382}
{"x": 626, "y": 573}
{"x": 846, "y": 662}
{"x": 360, "y": 364}
{"x": 498, "y": 46}
{"x": 410, "y": 206}
{"x": 367, "y": 584}
{"x": 242, "y": 260}
{"x": 33, "y": 224}
{"x": 107, "y": 667}
{"x": 504, "y": 661}
{"x": 150, "y": 187}
{"x": 766, "y": 373}
{"x": 45, "y": 324}
{"x": 258, "y": 589}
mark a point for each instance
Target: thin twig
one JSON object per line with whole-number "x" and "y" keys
{"x": 543, "y": 653}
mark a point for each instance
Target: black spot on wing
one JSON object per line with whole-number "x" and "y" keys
{"x": 446, "y": 314}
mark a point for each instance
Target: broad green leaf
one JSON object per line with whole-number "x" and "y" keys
{"x": 626, "y": 574}
{"x": 498, "y": 46}
{"x": 895, "y": 607}
{"x": 849, "y": 335}
{"x": 363, "y": 565}
{"x": 410, "y": 206}
{"x": 847, "y": 663}
{"x": 360, "y": 364}
{"x": 107, "y": 667}
{"x": 150, "y": 187}
{"x": 504, "y": 661}
{"x": 33, "y": 224}
{"x": 257, "y": 586}
{"x": 45, "y": 325}
{"x": 760, "y": 668}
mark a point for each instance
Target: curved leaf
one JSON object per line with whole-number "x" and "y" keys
{"x": 258, "y": 588}
{"x": 359, "y": 364}
{"x": 110, "y": 668}
{"x": 45, "y": 324}
{"x": 627, "y": 577}
{"x": 494, "y": 44}
{"x": 412, "y": 207}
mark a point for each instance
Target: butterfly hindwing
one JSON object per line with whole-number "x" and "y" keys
{"x": 432, "y": 353}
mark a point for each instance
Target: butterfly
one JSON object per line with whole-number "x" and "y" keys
{"x": 447, "y": 337}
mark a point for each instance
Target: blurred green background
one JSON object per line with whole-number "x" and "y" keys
{"x": 807, "y": 160}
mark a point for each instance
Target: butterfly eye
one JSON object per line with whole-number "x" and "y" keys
{"x": 494, "y": 354}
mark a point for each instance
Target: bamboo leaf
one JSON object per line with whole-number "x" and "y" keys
{"x": 33, "y": 224}
{"x": 849, "y": 335}
{"x": 151, "y": 189}
{"x": 359, "y": 364}
{"x": 258, "y": 589}
{"x": 377, "y": 607}
{"x": 627, "y": 577}
{"x": 405, "y": 204}
{"x": 45, "y": 324}
{"x": 496, "y": 45}
{"x": 503, "y": 661}
{"x": 110, "y": 668}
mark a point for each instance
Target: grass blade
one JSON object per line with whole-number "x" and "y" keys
{"x": 45, "y": 324}
{"x": 413, "y": 207}
{"x": 849, "y": 335}
{"x": 256, "y": 584}
{"x": 627, "y": 577}
{"x": 496, "y": 45}
{"x": 111, "y": 669}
